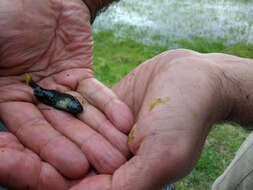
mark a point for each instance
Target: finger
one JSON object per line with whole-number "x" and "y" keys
{"x": 95, "y": 119}
{"x": 155, "y": 165}
{"x": 22, "y": 169}
{"x": 103, "y": 98}
{"x": 91, "y": 115}
{"x": 95, "y": 183}
{"x": 8, "y": 140}
{"x": 146, "y": 171}
{"x": 139, "y": 173}
{"x": 100, "y": 153}
{"x": 30, "y": 127}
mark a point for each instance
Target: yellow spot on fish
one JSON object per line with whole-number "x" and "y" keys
{"x": 63, "y": 103}
{"x": 158, "y": 101}
{"x": 131, "y": 136}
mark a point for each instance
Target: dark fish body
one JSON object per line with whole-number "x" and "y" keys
{"x": 55, "y": 99}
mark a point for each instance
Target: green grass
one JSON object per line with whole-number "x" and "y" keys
{"x": 114, "y": 58}
{"x": 221, "y": 146}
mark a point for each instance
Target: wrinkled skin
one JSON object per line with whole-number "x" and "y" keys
{"x": 51, "y": 40}
{"x": 193, "y": 92}
{"x": 167, "y": 137}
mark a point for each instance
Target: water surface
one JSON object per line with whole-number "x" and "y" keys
{"x": 167, "y": 21}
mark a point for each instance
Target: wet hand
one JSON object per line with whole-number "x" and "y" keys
{"x": 51, "y": 40}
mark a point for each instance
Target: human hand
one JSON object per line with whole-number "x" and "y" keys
{"x": 176, "y": 97}
{"x": 52, "y": 41}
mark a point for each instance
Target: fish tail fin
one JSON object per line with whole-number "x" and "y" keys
{"x": 29, "y": 81}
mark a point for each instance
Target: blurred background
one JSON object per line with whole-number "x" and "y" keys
{"x": 168, "y": 22}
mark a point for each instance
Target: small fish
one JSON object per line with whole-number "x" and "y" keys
{"x": 55, "y": 99}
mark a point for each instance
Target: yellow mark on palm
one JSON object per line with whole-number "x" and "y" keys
{"x": 159, "y": 101}
{"x": 131, "y": 136}
{"x": 82, "y": 100}
{"x": 195, "y": 114}
{"x": 38, "y": 124}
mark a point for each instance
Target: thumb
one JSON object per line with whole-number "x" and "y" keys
{"x": 155, "y": 164}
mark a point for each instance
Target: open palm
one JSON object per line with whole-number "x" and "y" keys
{"x": 52, "y": 41}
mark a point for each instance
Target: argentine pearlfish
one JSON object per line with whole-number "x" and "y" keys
{"x": 54, "y": 98}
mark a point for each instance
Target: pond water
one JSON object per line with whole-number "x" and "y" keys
{"x": 167, "y": 21}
